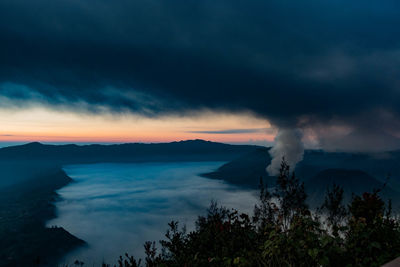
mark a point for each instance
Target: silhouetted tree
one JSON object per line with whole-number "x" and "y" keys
{"x": 334, "y": 208}
{"x": 290, "y": 195}
{"x": 372, "y": 238}
{"x": 265, "y": 210}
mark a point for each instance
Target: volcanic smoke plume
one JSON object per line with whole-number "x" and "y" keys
{"x": 288, "y": 144}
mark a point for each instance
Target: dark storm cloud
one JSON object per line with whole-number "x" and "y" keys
{"x": 294, "y": 62}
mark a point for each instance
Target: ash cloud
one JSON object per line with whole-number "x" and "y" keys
{"x": 291, "y": 62}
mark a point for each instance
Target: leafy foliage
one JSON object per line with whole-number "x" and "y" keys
{"x": 334, "y": 208}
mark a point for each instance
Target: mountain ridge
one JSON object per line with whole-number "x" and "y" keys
{"x": 188, "y": 150}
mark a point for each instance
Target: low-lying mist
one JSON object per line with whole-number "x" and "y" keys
{"x": 115, "y": 208}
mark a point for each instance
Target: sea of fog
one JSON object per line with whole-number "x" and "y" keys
{"x": 115, "y": 208}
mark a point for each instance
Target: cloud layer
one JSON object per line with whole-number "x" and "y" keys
{"x": 298, "y": 64}
{"x": 128, "y": 204}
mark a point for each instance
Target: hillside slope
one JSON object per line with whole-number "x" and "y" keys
{"x": 352, "y": 181}
{"x": 245, "y": 170}
{"x": 24, "y": 209}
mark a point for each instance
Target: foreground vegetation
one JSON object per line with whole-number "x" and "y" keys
{"x": 283, "y": 232}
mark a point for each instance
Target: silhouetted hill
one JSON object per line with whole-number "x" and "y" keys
{"x": 245, "y": 170}
{"x": 13, "y": 172}
{"x": 352, "y": 181}
{"x": 377, "y": 165}
{"x": 24, "y": 209}
{"x": 191, "y": 150}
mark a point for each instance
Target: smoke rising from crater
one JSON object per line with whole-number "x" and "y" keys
{"x": 288, "y": 144}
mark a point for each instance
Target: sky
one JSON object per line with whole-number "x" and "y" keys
{"x": 47, "y": 125}
{"x": 329, "y": 70}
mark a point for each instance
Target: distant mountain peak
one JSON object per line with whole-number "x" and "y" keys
{"x": 33, "y": 144}
{"x": 195, "y": 141}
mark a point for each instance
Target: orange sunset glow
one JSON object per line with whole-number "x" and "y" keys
{"x": 47, "y": 125}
